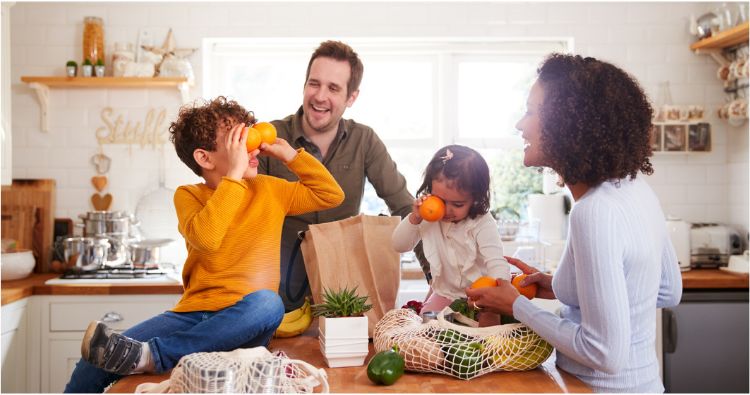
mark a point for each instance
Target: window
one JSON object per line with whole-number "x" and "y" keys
{"x": 417, "y": 94}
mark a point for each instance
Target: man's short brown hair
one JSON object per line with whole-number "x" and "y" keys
{"x": 341, "y": 52}
{"x": 196, "y": 127}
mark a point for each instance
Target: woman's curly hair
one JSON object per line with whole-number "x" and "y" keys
{"x": 595, "y": 120}
{"x": 467, "y": 169}
{"x": 196, "y": 127}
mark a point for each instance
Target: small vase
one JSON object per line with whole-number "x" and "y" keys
{"x": 99, "y": 70}
{"x": 87, "y": 70}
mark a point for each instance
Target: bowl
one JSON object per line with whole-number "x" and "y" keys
{"x": 16, "y": 265}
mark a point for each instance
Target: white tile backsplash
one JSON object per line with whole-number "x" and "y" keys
{"x": 649, "y": 40}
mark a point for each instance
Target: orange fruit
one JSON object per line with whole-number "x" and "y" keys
{"x": 528, "y": 291}
{"x": 267, "y": 132}
{"x": 484, "y": 282}
{"x": 432, "y": 209}
{"x": 253, "y": 139}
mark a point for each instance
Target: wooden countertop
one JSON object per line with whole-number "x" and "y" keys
{"x": 34, "y": 285}
{"x": 546, "y": 378}
{"x": 713, "y": 279}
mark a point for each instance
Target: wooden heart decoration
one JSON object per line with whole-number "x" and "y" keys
{"x": 101, "y": 202}
{"x": 99, "y": 182}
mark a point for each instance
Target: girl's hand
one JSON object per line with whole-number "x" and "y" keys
{"x": 497, "y": 299}
{"x": 414, "y": 217}
{"x": 542, "y": 280}
{"x": 237, "y": 155}
{"x": 280, "y": 150}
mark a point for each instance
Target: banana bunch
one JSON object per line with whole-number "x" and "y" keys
{"x": 295, "y": 322}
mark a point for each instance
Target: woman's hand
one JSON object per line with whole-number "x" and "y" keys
{"x": 237, "y": 155}
{"x": 414, "y": 217}
{"x": 497, "y": 299}
{"x": 534, "y": 276}
{"x": 280, "y": 150}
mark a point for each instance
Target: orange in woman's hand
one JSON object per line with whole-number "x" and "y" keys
{"x": 432, "y": 209}
{"x": 484, "y": 282}
{"x": 528, "y": 291}
{"x": 253, "y": 139}
{"x": 267, "y": 132}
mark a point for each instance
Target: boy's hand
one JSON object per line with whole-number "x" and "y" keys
{"x": 280, "y": 150}
{"x": 237, "y": 154}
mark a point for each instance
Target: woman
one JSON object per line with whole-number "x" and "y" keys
{"x": 589, "y": 121}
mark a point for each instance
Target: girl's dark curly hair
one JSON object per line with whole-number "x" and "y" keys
{"x": 595, "y": 120}
{"x": 196, "y": 127}
{"x": 467, "y": 169}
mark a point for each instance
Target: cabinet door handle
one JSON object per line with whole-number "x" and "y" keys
{"x": 111, "y": 317}
{"x": 669, "y": 330}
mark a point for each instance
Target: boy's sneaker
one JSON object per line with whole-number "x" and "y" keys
{"x": 110, "y": 350}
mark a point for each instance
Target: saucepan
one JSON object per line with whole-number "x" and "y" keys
{"x": 147, "y": 253}
{"x": 113, "y": 223}
{"x": 85, "y": 253}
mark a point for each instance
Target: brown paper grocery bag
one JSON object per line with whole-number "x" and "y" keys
{"x": 356, "y": 251}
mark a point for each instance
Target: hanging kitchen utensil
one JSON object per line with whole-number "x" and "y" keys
{"x": 101, "y": 164}
{"x": 158, "y": 217}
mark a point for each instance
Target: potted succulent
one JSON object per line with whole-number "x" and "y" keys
{"x": 87, "y": 69}
{"x": 343, "y": 327}
{"x": 99, "y": 68}
{"x": 71, "y": 68}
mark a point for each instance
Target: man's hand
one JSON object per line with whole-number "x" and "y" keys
{"x": 280, "y": 150}
{"x": 237, "y": 154}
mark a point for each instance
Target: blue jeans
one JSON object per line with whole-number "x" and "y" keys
{"x": 250, "y": 322}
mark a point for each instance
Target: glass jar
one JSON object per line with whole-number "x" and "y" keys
{"x": 93, "y": 39}
{"x": 121, "y": 57}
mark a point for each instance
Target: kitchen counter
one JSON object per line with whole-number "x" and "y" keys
{"x": 546, "y": 378}
{"x": 34, "y": 285}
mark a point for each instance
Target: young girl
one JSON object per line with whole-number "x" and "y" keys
{"x": 465, "y": 244}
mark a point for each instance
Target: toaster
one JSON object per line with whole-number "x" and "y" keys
{"x": 712, "y": 244}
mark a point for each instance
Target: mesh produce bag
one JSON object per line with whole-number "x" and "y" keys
{"x": 439, "y": 346}
{"x": 251, "y": 370}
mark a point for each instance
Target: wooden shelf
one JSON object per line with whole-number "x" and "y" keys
{"x": 42, "y": 85}
{"x": 726, "y": 38}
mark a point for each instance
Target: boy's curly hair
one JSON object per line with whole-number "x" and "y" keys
{"x": 467, "y": 169}
{"x": 595, "y": 120}
{"x": 196, "y": 127}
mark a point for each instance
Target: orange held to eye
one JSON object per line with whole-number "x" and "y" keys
{"x": 267, "y": 132}
{"x": 484, "y": 282}
{"x": 253, "y": 139}
{"x": 528, "y": 291}
{"x": 432, "y": 209}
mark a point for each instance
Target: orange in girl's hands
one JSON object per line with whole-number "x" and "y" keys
{"x": 528, "y": 291}
{"x": 253, "y": 139}
{"x": 484, "y": 282}
{"x": 267, "y": 132}
{"x": 432, "y": 208}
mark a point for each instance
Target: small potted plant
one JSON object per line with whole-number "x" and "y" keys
{"x": 99, "y": 68}
{"x": 71, "y": 68}
{"x": 87, "y": 69}
{"x": 343, "y": 327}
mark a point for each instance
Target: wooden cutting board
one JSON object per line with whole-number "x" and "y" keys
{"x": 38, "y": 194}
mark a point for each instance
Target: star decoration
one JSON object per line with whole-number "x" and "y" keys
{"x": 168, "y": 49}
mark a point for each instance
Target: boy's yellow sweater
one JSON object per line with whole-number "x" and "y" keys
{"x": 233, "y": 233}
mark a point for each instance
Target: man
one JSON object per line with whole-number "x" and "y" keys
{"x": 351, "y": 152}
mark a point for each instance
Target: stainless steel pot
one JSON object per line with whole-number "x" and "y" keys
{"x": 85, "y": 253}
{"x": 147, "y": 253}
{"x": 110, "y": 223}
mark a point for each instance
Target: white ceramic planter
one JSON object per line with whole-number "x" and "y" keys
{"x": 344, "y": 341}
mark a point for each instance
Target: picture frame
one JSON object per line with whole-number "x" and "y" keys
{"x": 675, "y": 138}
{"x": 699, "y": 137}
{"x": 655, "y": 137}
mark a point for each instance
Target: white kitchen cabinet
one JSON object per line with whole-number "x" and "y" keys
{"x": 64, "y": 319}
{"x": 14, "y": 349}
